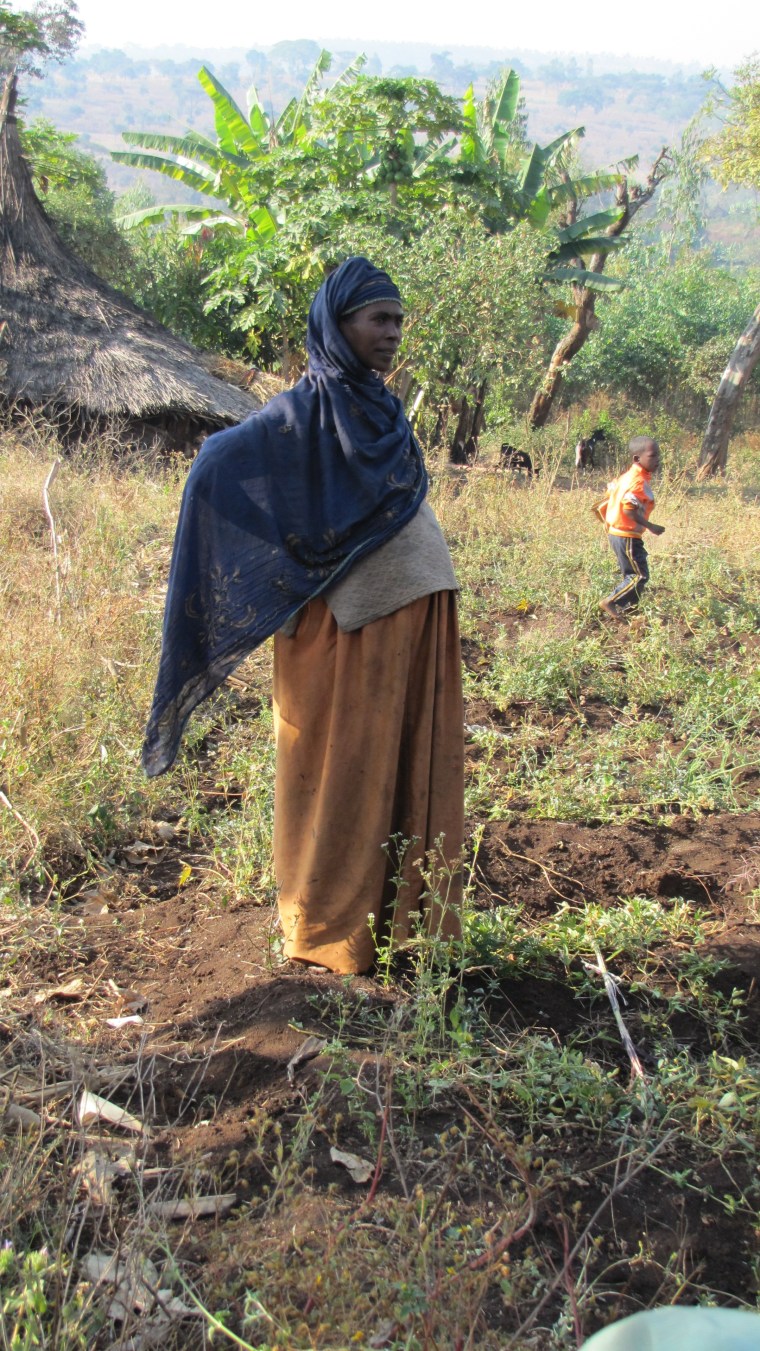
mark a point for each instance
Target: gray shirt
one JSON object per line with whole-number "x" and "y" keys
{"x": 414, "y": 562}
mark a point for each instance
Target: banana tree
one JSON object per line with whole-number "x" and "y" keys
{"x": 235, "y": 169}
{"x": 505, "y": 178}
{"x": 506, "y": 181}
{"x": 249, "y": 174}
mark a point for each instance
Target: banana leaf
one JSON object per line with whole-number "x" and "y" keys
{"x": 156, "y": 215}
{"x": 584, "y": 248}
{"x": 186, "y": 147}
{"x": 471, "y": 146}
{"x": 192, "y": 178}
{"x": 351, "y": 71}
{"x": 507, "y": 99}
{"x": 283, "y": 125}
{"x": 232, "y": 127}
{"x": 540, "y": 207}
{"x": 589, "y": 185}
{"x": 194, "y": 224}
{"x": 625, "y": 165}
{"x": 540, "y": 159}
{"x": 598, "y": 221}
{"x": 311, "y": 88}
{"x": 257, "y": 118}
{"x": 580, "y": 277}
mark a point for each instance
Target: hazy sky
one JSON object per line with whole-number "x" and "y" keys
{"x": 683, "y": 31}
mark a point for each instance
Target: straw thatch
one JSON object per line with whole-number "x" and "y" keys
{"x": 70, "y": 342}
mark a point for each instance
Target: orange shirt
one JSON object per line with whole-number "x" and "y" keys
{"x": 632, "y": 489}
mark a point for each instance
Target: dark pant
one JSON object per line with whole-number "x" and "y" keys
{"x": 632, "y": 560}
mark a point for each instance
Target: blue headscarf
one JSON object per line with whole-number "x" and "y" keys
{"x": 277, "y": 509}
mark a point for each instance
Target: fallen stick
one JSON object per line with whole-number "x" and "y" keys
{"x": 31, "y": 832}
{"x": 600, "y": 969}
{"x": 193, "y": 1207}
{"x": 53, "y": 536}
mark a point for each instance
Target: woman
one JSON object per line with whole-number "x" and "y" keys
{"x": 310, "y": 519}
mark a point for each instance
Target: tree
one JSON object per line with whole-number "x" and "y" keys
{"x": 72, "y": 184}
{"x": 477, "y": 312}
{"x": 735, "y": 152}
{"x": 585, "y": 243}
{"x": 49, "y": 31}
{"x": 666, "y": 330}
{"x": 743, "y": 360}
{"x": 391, "y": 153}
{"x": 255, "y": 170}
{"x": 75, "y": 193}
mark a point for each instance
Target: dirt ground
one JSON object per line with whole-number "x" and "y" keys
{"x": 225, "y": 1015}
{"x": 215, "y": 974}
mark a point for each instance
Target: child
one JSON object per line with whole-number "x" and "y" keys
{"x": 626, "y": 511}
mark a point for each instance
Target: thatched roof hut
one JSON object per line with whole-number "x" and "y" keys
{"x": 70, "y": 343}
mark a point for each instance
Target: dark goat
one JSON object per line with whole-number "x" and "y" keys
{"x": 512, "y": 458}
{"x": 584, "y": 451}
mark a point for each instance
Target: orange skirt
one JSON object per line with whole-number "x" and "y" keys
{"x": 370, "y": 753}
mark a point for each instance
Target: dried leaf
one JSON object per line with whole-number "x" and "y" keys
{"x": 133, "y": 1002}
{"x": 174, "y": 1306}
{"x": 153, "y": 1330}
{"x": 192, "y": 1208}
{"x": 134, "y": 1278}
{"x": 97, "y": 1173}
{"x": 139, "y": 852}
{"x": 93, "y": 904}
{"x": 91, "y": 1108}
{"x": 72, "y": 990}
{"x": 386, "y": 1333}
{"x": 313, "y": 1046}
{"x": 23, "y": 1117}
{"x": 359, "y": 1169}
{"x": 124, "y": 1164}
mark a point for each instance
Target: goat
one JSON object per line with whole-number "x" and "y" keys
{"x": 512, "y": 458}
{"x": 584, "y": 451}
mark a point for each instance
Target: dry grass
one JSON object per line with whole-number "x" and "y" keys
{"x": 74, "y": 693}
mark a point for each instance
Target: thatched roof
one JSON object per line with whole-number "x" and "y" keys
{"x": 67, "y": 340}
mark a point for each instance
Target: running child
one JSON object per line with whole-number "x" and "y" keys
{"x": 626, "y": 512}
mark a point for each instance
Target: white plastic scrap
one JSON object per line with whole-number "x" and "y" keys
{"x": 91, "y": 1108}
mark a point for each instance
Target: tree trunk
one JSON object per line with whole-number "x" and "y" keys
{"x": 744, "y": 358}
{"x": 478, "y": 421}
{"x": 471, "y": 416}
{"x": 457, "y": 452}
{"x": 566, "y": 349}
{"x": 631, "y": 200}
{"x": 403, "y": 384}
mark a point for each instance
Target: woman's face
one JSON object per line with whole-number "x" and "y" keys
{"x": 374, "y": 334}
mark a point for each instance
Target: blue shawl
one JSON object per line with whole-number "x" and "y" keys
{"x": 277, "y": 509}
